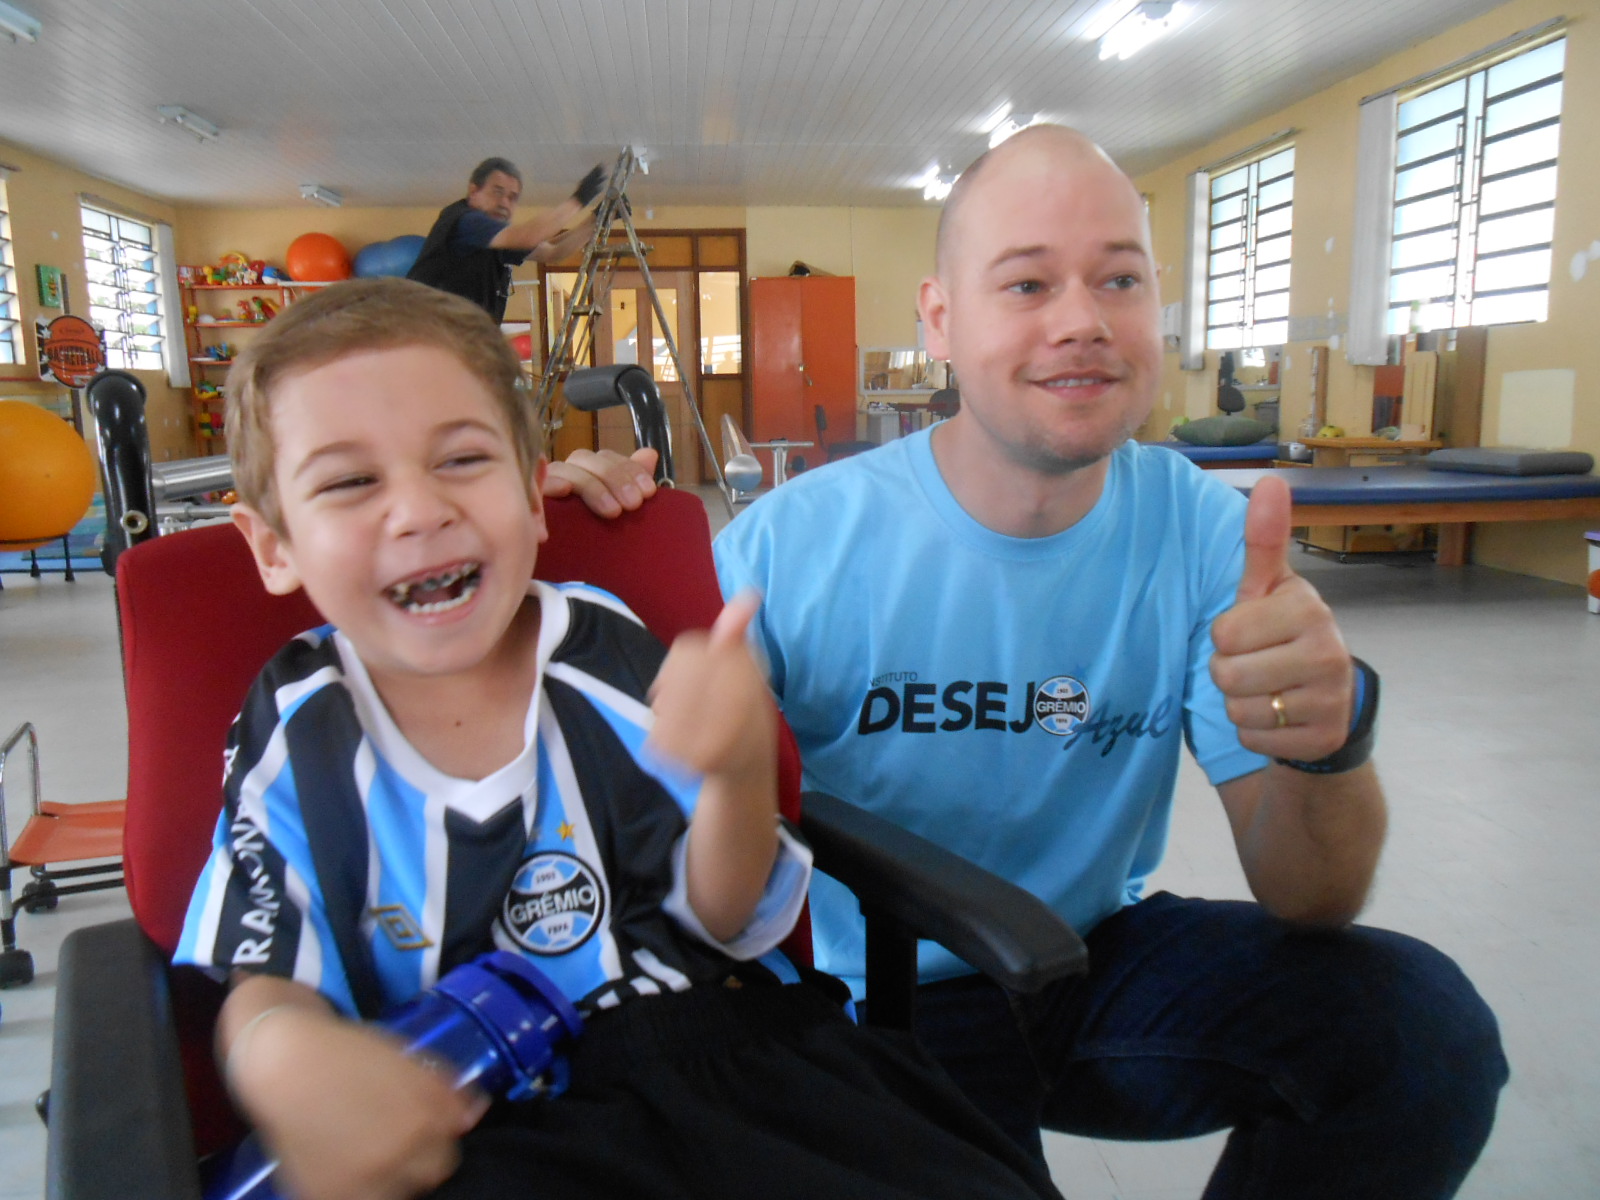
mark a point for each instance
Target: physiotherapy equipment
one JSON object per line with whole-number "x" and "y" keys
{"x": 497, "y": 1021}
{"x": 1416, "y": 495}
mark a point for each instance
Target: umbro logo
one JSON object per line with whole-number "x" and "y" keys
{"x": 402, "y": 929}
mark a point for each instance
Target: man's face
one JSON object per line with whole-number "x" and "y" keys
{"x": 496, "y": 195}
{"x": 405, "y": 514}
{"x": 1047, "y": 307}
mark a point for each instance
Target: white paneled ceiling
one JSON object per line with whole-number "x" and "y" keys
{"x": 734, "y": 101}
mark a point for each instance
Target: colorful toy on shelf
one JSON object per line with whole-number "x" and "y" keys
{"x": 270, "y": 274}
{"x": 206, "y": 390}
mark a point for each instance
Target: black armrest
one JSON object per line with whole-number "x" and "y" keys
{"x": 118, "y": 1116}
{"x": 910, "y": 888}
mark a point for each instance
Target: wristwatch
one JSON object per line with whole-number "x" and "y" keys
{"x": 1363, "y": 736}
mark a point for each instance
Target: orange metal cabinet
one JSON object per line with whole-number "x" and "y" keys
{"x": 803, "y": 350}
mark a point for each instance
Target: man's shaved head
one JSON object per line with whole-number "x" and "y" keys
{"x": 1057, "y": 140}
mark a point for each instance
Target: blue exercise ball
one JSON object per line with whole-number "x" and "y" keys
{"x": 393, "y": 257}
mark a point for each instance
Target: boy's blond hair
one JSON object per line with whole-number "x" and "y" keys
{"x": 348, "y": 318}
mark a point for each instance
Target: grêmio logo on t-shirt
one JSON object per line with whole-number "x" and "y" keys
{"x": 1060, "y": 706}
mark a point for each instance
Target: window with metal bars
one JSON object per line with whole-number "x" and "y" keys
{"x": 1247, "y": 276}
{"x": 1475, "y": 196}
{"x": 124, "y": 278}
{"x": 10, "y": 308}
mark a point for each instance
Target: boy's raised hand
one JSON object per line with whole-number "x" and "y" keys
{"x": 348, "y": 1115}
{"x": 713, "y": 712}
{"x": 1280, "y": 640}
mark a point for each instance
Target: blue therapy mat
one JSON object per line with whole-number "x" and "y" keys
{"x": 1401, "y": 485}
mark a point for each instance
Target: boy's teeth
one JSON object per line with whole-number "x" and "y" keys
{"x": 437, "y": 593}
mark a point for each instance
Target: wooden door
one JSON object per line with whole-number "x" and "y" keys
{"x": 628, "y": 331}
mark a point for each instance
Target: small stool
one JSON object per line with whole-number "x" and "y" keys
{"x": 1593, "y": 538}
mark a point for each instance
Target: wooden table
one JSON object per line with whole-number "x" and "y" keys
{"x": 1336, "y": 451}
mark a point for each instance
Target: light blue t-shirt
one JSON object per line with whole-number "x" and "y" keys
{"x": 1018, "y": 701}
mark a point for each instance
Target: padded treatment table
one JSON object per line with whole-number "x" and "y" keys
{"x": 1453, "y": 500}
{"x": 1213, "y": 458}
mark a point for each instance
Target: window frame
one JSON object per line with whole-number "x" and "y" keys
{"x": 123, "y": 350}
{"x": 11, "y": 340}
{"x": 1253, "y": 330}
{"x": 1457, "y": 303}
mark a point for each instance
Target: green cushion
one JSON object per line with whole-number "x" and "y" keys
{"x": 1229, "y": 430}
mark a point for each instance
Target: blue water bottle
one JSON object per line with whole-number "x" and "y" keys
{"x": 497, "y": 1020}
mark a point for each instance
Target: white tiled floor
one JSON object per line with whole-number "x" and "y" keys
{"x": 1490, "y": 749}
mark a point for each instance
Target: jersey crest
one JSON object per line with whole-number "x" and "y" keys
{"x": 555, "y": 903}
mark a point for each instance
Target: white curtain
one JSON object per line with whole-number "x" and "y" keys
{"x": 1197, "y": 252}
{"x": 174, "y": 343}
{"x": 1372, "y": 238}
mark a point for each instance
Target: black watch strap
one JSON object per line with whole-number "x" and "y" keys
{"x": 1358, "y": 746}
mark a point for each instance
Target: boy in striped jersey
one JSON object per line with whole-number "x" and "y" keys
{"x": 462, "y": 760}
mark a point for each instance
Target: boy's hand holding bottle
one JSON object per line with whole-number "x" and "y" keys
{"x": 347, "y": 1114}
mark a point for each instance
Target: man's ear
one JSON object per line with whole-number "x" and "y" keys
{"x": 271, "y": 550}
{"x": 536, "y": 497}
{"x": 934, "y": 307}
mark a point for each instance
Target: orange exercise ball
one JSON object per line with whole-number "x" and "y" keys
{"x": 1594, "y": 584}
{"x": 317, "y": 257}
{"x": 47, "y": 476}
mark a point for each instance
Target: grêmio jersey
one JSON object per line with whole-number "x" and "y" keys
{"x": 1019, "y": 701}
{"x": 344, "y": 860}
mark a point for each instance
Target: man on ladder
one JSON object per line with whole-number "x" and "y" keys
{"x": 575, "y": 340}
{"x": 473, "y": 244}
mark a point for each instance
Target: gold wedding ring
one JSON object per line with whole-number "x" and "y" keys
{"x": 1279, "y": 712}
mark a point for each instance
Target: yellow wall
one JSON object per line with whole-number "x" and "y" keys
{"x": 888, "y": 250}
{"x": 1325, "y": 149}
{"x": 46, "y": 228}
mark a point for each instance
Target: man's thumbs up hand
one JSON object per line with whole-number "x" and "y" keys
{"x": 1280, "y": 661}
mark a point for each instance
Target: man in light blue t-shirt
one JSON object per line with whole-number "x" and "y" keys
{"x": 997, "y": 632}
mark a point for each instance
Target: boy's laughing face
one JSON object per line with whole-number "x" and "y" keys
{"x": 405, "y": 515}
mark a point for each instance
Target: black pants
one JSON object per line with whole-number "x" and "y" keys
{"x": 1350, "y": 1064}
{"x": 768, "y": 1092}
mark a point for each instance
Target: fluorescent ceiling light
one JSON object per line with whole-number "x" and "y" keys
{"x": 18, "y": 25}
{"x": 992, "y": 122}
{"x": 182, "y": 117}
{"x": 1147, "y": 22}
{"x": 1010, "y": 127}
{"x": 935, "y": 182}
{"x": 318, "y": 194}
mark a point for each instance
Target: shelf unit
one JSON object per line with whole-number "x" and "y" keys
{"x": 205, "y": 369}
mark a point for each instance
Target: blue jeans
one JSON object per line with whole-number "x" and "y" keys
{"x": 1353, "y": 1063}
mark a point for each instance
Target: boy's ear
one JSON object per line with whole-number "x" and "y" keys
{"x": 536, "y": 497}
{"x": 270, "y": 548}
